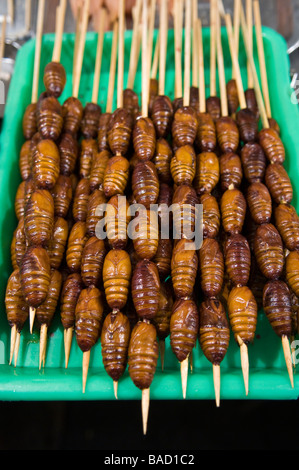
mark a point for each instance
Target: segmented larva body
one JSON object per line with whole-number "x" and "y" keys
{"x": 117, "y": 218}
{"x": 76, "y": 242}
{"x": 251, "y": 102}
{"x": 233, "y": 210}
{"x": 102, "y": 136}
{"x": 146, "y": 236}
{"x": 116, "y": 176}
{"x": 272, "y": 145}
{"x": 17, "y": 310}
{"x": 145, "y": 287}
{"x": 277, "y": 306}
{"x": 88, "y": 317}
{"x": 97, "y": 170}
{"x": 211, "y": 267}
{"x": 54, "y": 78}
{"x": 72, "y": 110}
{"x": 62, "y": 194}
{"x": 80, "y": 200}
{"x": 268, "y": 250}
{"x": 184, "y": 126}
{"x": 206, "y": 138}
{"x": 35, "y": 275}
{"x": 213, "y": 106}
{"x": 46, "y": 310}
{"x": 117, "y": 272}
{"x": 115, "y": 337}
{"x": 29, "y": 123}
{"x": 227, "y": 134}
{"x": 232, "y": 96}
{"x": 237, "y": 258}
{"x": 287, "y": 223}
{"x": 46, "y": 164}
{"x": 145, "y": 184}
{"x": 210, "y": 215}
{"x": 87, "y": 155}
{"x": 70, "y": 292}
{"x": 163, "y": 315}
{"x": 207, "y": 172}
{"x": 153, "y": 92}
{"x": 162, "y": 115}
{"x": 131, "y": 102}
{"x": 164, "y": 202}
{"x": 162, "y": 159}
{"x": 20, "y": 200}
{"x": 248, "y": 125}
{"x": 214, "y": 331}
{"x": 68, "y": 149}
{"x": 253, "y": 161}
{"x": 119, "y": 131}
{"x": 194, "y": 97}
{"x": 242, "y": 312}
{"x": 162, "y": 258}
{"x": 292, "y": 271}
{"x": 49, "y": 118}
{"x": 256, "y": 282}
{"x": 39, "y": 218}
{"x": 58, "y": 242}
{"x": 184, "y": 323}
{"x": 259, "y": 203}
{"x": 143, "y": 354}
{"x": 183, "y": 165}
{"x": 184, "y": 211}
{"x": 184, "y": 264}
{"x": 230, "y": 168}
{"x": 144, "y": 138}
{"x": 279, "y": 184}
{"x": 90, "y": 120}
{"x": 95, "y": 211}
{"x": 25, "y": 160}
{"x": 92, "y": 261}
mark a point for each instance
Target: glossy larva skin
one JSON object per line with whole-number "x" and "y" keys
{"x": 97, "y": 170}
{"x": 162, "y": 115}
{"x": 102, "y": 136}
{"x": 88, "y": 317}
{"x": 183, "y": 165}
{"x": 146, "y": 238}
{"x": 90, "y": 120}
{"x": 80, "y": 200}
{"x": 211, "y": 267}
{"x": 92, "y": 261}
{"x": 287, "y": 223}
{"x": 232, "y": 97}
{"x": 251, "y": 102}
{"x": 46, "y": 164}
{"x": 233, "y": 209}
{"x": 248, "y": 125}
{"x": 117, "y": 272}
{"x": 88, "y": 151}
{"x": 231, "y": 172}
{"x": 76, "y": 242}
{"x": 70, "y": 292}
{"x": 162, "y": 159}
{"x": 144, "y": 138}
{"x": 253, "y": 161}
{"x": 184, "y": 126}
{"x": 163, "y": 315}
{"x": 278, "y": 307}
{"x": 184, "y": 265}
{"x": 96, "y": 200}
{"x": 292, "y": 271}
{"x": 272, "y": 145}
{"x": 207, "y": 172}
{"x": 62, "y": 194}
{"x": 184, "y": 323}
{"x": 72, "y": 110}
{"x": 206, "y": 139}
{"x": 119, "y": 131}
{"x": 17, "y": 310}
{"x": 29, "y": 123}
{"x": 58, "y": 242}
{"x": 211, "y": 215}
{"x": 20, "y": 200}
{"x": 35, "y": 273}
{"x": 50, "y": 118}
{"x": 268, "y": 250}
{"x": 116, "y": 176}
{"x": 39, "y": 218}
{"x": 237, "y": 259}
{"x": 279, "y": 183}
{"x": 145, "y": 287}
{"x": 163, "y": 256}
{"x": 68, "y": 149}
{"x": 227, "y": 134}
{"x": 54, "y": 78}
{"x": 45, "y": 311}
{"x": 213, "y": 107}
{"x": 242, "y": 311}
{"x": 259, "y": 203}
{"x": 145, "y": 183}
{"x": 117, "y": 217}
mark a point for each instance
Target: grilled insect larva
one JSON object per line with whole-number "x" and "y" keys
{"x": 98, "y": 167}
{"x": 227, "y": 134}
{"x": 273, "y": 124}
{"x": 19, "y": 246}
{"x": 248, "y": 125}
{"x": 237, "y": 259}
{"x": 117, "y": 272}
{"x": 54, "y": 78}
{"x": 145, "y": 287}
{"x": 162, "y": 317}
{"x": 145, "y": 184}
{"x": 162, "y": 115}
{"x": 70, "y": 292}
{"x": 88, "y": 317}
{"x": 287, "y": 223}
{"x": 115, "y": 337}
{"x": 49, "y": 118}
{"x": 292, "y": 271}
{"x": 184, "y": 211}
{"x": 102, "y": 137}
{"x": 146, "y": 236}
{"x": 162, "y": 159}
{"x": 211, "y": 267}
{"x": 90, "y": 120}
{"x": 46, "y": 164}
{"x": 62, "y": 194}
{"x": 72, "y": 110}
{"x": 184, "y": 324}
{"x": 76, "y": 242}
{"x": 68, "y": 149}
{"x": 80, "y": 200}
{"x": 87, "y": 155}
{"x": 116, "y": 175}
{"x": 119, "y": 131}
{"x": 272, "y": 145}
{"x": 277, "y": 307}
{"x": 194, "y": 97}
{"x": 213, "y": 106}
{"x": 253, "y": 161}
{"x": 232, "y": 96}
{"x": 242, "y": 312}
{"x": 162, "y": 258}
{"x": 184, "y": 126}
{"x": 214, "y": 331}
{"x": 17, "y": 310}
{"x": 210, "y": 215}
{"x": 233, "y": 210}
{"x": 117, "y": 217}
{"x": 131, "y": 102}
{"x": 92, "y": 261}
{"x": 96, "y": 201}
{"x": 256, "y": 282}
{"x": 39, "y": 218}
{"x": 164, "y": 202}
{"x": 230, "y": 170}
{"x": 153, "y": 92}
{"x": 46, "y": 310}
{"x": 182, "y": 165}
{"x": 35, "y": 275}
{"x": 29, "y": 124}
{"x": 25, "y": 160}
{"x": 143, "y": 354}
{"x": 144, "y": 138}
{"x": 177, "y": 103}
{"x": 206, "y": 133}
{"x": 279, "y": 183}
{"x": 28, "y": 188}
{"x": 251, "y": 102}
{"x": 20, "y": 200}
{"x": 259, "y": 203}
{"x": 184, "y": 264}
{"x": 58, "y": 242}
{"x": 268, "y": 250}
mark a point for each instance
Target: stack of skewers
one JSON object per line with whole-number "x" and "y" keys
{"x": 82, "y": 170}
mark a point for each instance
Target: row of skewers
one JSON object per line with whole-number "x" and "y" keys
{"x": 132, "y": 294}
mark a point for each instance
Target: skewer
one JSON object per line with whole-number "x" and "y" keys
{"x": 37, "y": 54}
{"x": 17, "y": 347}
{"x": 121, "y": 26}
{"x": 97, "y": 71}
{"x": 178, "y": 48}
{"x": 77, "y": 35}
{"x": 151, "y": 27}
{"x": 85, "y": 367}
{"x": 81, "y": 45}
{"x": 216, "y": 379}
{"x": 187, "y": 53}
{"x": 13, "y": 336}
{"x": 249, "y": 26}
{"x": 236, "y": 29}
{"x": 201, "y": 70}
{"x": 109, "y": 102}
{"x": 135, "y": 46}
{"x": 60, "y": 17}
{"x": 213, "y": 20}
{"x": 154, "y": 68}
{"x": 194, "y": 44}
{"x": 221, "y": 70}
{"x": 163, "y": 46}
{"x": 43, "y": 344}
{"x": 11, "y": 10}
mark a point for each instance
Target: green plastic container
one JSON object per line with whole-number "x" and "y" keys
{"x": 268, "y": 378}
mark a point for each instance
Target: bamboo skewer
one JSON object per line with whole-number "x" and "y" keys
{"x": 213, "y": 19}
{"x": 178, "y": 18}
{"x": 194, "y": 44}
{"x": 37, "y": 54}
{"x": 97, "y": 71}
{"x": 81, "y": 46}
{"x": 250, "y": 40}
{"x": 77, "y": 35}
{"x": 236, "y": 29}
{"x": 221, "y": 70}
{"x": 154, "y": 68}
{"x": 135, "y": 46}
{"x": 60, "y": 17}
{"x": 85, "y": 367}
{"x": 109, "y": 102}
{"x": 163, "y": 46}
{"x": 151, "y": 27}
{"x": 201, "y": 69}
{"x": 120, "y": 64}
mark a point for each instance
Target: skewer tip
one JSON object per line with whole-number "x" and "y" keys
{"x": 244, "y": 362}
{"x": 184, "y": 375}
{"x": 115, "y": 387}
{"x": 85, "y": 365}
{"x": 42, "y": 344}
{"x": 68, "y": 336}
{"x": 216, "y": 378}
{"x": 17, "y": 347}
{"x": 288, "y": 357}
{"x": 32, "y": 311}
{"x": 13, "y": 336}
{"x": 145, "y": 399}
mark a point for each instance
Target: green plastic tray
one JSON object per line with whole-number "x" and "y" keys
{"x": 268, "y": 377}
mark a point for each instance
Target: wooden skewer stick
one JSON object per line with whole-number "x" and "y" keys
{"x": 115, "y": 387}
{"x": 244, "y": 362}
{"x": 17, "y": 347}
{"x": 151, "y": 27}
{"x": 2, "y": 40}
{"x": 213, "y": 20}
{"x": 98, "y": 63}
{"x": 120, "y": 64}
{"x": 135, "y": 46}
{"x": 163, "y": 45}
{"x": 42, "y": 343}
{"x": 109, "y": 102}
{"x": 184, "y": 365}
{"x": 154, "y": 69}
{"x": 11, "y": 10}
{"x": 194, "y": 44}
{"x": 250, "y": 40}
{"x": 13, "y": 336}
{"x": 261, "y": 56}
{"x": 221, "y": 70}
{"x": 201, "y": 71}
{"x": 85, "y": 367}
{"x": 178, "y": 19}
{"x": 60, "y": 17}
{"x": 37, "y": 52}
{"x": 236, "y": 30}
{"x": 288, "y": 357}
{"x": 216, "y": 378}
{"x": 145, "y": 399}
{"x": 145, "y": 65}
{"x": 81, "y": 46}
{"x": 77, "y": 36}
{"x": 31, "y": 318}
{"x": 68, "y": 336}
{"x": 187, "y": 53}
